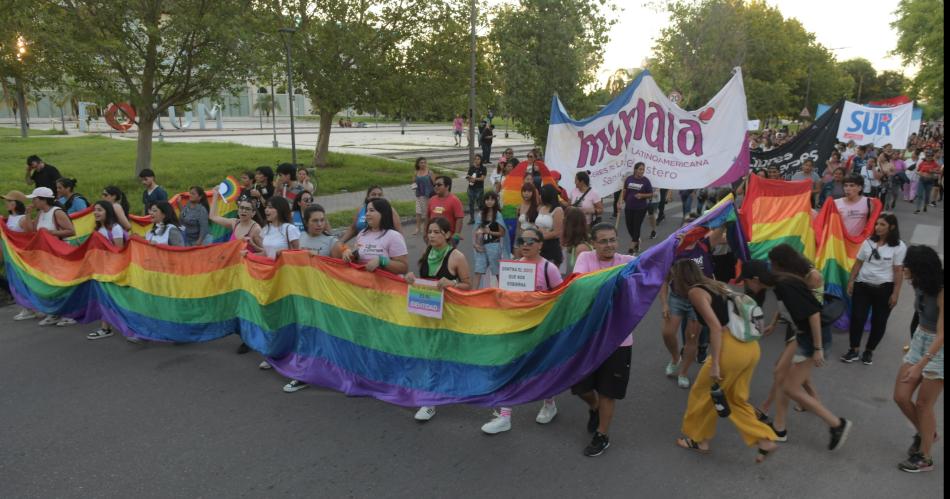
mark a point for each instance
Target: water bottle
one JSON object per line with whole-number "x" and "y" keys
{"x": 719, "y": 401}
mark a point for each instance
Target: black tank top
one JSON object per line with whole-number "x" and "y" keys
{"x": 719, "y": 306}
{"x": 443, "y": 269}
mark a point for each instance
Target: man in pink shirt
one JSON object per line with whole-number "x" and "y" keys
{"x": 609, "y": 382}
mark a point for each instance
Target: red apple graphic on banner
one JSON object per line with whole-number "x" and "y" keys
{"x": 707, "y": 114}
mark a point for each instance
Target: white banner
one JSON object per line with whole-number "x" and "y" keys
{"x": 754, "y": 125}
{"x": 876, "y": 125}
{"x": 681, "y": 149}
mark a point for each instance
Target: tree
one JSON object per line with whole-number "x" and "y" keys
{"x": 781, "y": 61}
{"x": 264, "y": 104}
{"x": 891, "y": 84}
{"x": 864, "y": 76}
{"x": 347, "y": 53}
{"x": 547, "y": 47}
{"x": 152, "y": 53}
{"x": 919, "y": 27}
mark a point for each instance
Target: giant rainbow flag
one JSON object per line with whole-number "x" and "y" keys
{"x": 778, "y": 212}
{"x": 324, "y": 322}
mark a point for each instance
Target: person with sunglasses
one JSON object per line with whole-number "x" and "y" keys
{"x": 603, "y": 387}
{"x": 875, "y": 286}
{"x": 301, "y": 202}
{"x": 244, "y": 228}
{"x": 120, "y": 204}
{"x": 546, "y": 278}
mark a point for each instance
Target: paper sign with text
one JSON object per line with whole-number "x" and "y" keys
{"x": 516, "y": 276}
{"x": 425, "y": 299}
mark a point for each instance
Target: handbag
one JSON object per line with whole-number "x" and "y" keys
{"x": 832, "y": 309}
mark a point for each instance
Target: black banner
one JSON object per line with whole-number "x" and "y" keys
{"x": 816, "y": 142}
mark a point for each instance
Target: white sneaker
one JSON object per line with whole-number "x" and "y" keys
{"x": 49, "y": 320}
{"x": 682, "y": 381}
{"x": 66, "y": 321}
{"x": 25, "y": 315}
{"x": 294, "y": 386}
{"x": 497, "y": 425}
{"x": 425, "y": 413}
{"x": 671, "y": 368}
{"x": 547, "y": 413}
{"x": 263, "y": 365}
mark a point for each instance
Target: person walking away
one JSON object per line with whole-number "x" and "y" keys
{"x": 457, "y": 127}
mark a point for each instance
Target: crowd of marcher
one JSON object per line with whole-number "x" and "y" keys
{"x": 564, "y": 232}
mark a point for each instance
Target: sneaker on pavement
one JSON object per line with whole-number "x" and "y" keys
{"x": 264, "y": 365}
{"x": 294, "y": 386}
{"x": 850, "y": 356}
{"x": 593, "y": 421}
{"x": 497, "y": 425}
{"x": 49, "y": 320}
{"x": 25, "y": 315}
{"x": 839, "y": 435}
{"x": 867, "y": 358}
{"x": 672, "y": 368}
{"x": 66, "y": 321}
{"x": 916, "y": 464}
{"x": 652, "y": 234}
{"x": 547, "y": 413}
{"x": 597, "y": 445}
{"x": 682, "y": 381}
{"x": 782, "y": 436}
{"x": 425, "y": 413}
{"x": 99, "y": 334}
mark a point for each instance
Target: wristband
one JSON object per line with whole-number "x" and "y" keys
{"x": 383, "y": 261}
{"x": 456, "y": 237}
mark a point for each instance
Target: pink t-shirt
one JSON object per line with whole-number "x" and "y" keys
{"x": 588, "y": 262}
{"x": 587, "y": 204}
{"x": 458, "y": 124}
{"x": 553, "y": 277}
{"x": 373, "y": 243}
{"x": 853, "y": 215}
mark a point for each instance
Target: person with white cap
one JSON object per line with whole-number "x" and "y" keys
{"x": 54, "y": 220}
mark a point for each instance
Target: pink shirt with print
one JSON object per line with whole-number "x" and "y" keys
{"x": 588, "y": 262}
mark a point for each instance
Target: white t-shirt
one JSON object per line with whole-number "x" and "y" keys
{"x": 879, "y": 270}
{"x": 276, "y": 239}
{"x": 111, "y": 235}
{"x": 869, "y": 180}
{"x": 374, "y": 243}
{"x": 853, "y": 215}
{"x": 13, "y": 223}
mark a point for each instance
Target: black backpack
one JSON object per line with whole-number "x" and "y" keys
{"x": 69, "y": 202}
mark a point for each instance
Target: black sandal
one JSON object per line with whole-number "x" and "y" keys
{"x": 761, "y": 416}
{"x": 689, "y": 444}
{"x": 762, "y": 455}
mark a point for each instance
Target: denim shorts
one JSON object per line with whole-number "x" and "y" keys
{"x": 490, "y": 259}
{"x": 681, "y": 307}
{"x": 806, "y": 347}
{"x": 918, "y": 347}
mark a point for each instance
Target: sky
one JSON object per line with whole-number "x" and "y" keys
{"x": 856, "y": 28}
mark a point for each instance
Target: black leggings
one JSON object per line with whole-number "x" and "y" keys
{"x": 868, "y": 299}
{"x": 634, "y": 218}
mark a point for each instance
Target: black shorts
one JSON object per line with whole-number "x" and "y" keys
{"x": 610, "y": 379}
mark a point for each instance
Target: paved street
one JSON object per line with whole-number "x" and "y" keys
{"x": 112, "y": 419}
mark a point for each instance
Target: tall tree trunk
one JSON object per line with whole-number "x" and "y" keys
{"x": 323, "y": 139}
{"x": 21, "y": 106}
{"x": 143, "y": 151}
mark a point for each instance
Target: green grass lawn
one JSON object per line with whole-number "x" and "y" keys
{"x": 98, "y": 161}
{"x": 6, "y": 131}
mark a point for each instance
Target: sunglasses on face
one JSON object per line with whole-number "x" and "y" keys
{"x": 526, "y": 240}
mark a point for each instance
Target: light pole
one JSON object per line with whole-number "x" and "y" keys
{"x": 471, "y": 93}
{"x": 290, "y": 92}
{"x": 20, "y": 93}
{"x": 273, "y": 112}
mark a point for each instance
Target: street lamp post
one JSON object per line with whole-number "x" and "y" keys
{"x": 471, "y": 89}
{"x": 290, "y": 92}
{"x": 273, "y": 112}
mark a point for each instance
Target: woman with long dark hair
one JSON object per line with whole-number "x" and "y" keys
{"x": 489, "y": 234}
{"x": 922, "y": 367}
{"x": 120, "y": 204}
{"x": 731, "y": 365}
{"x": 875, "y": 286}
{"x": 550, "y": 221}
{"x": 359, "y": 218}
{"x": 165, "y": 228}
{"x": 576, "y": 238}
{"x": 528, "y": 209}
{"x": 279, "y": 234}
{"x": 107, "y": 224}
{"x": 194, "y": 217}
{"x": 447, "y": 266}
{"x": 380, "y": 245}
{"x": 585, "y": 198}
